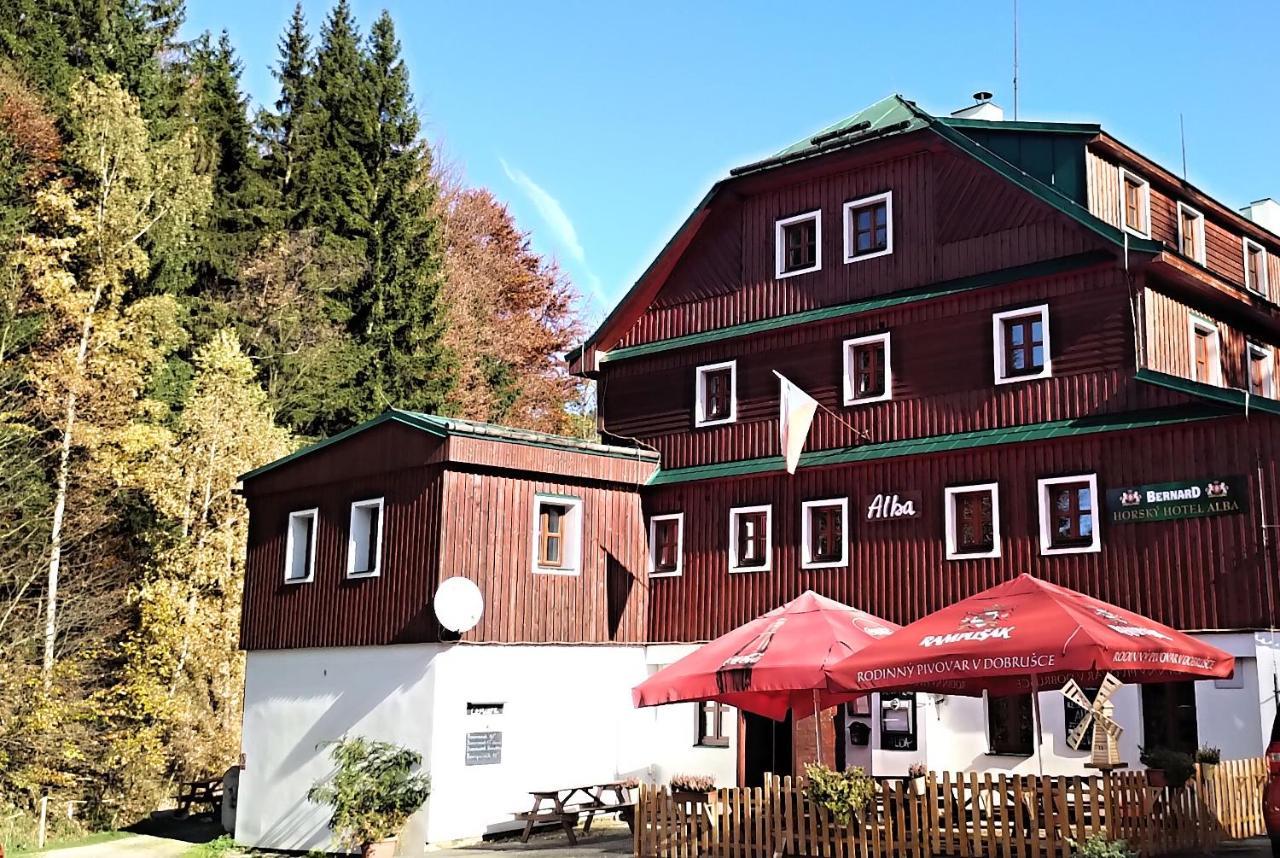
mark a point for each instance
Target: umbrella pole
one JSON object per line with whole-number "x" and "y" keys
{"x": 817, "y": 727}
{"x": 1035, "y": 708}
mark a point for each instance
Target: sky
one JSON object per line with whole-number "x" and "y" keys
{"x": 602, "y": 124}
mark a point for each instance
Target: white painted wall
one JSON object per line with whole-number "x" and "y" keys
{"x": 567, "y": 720}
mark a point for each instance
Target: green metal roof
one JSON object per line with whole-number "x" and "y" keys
{"x": 444, "y": 427}
{"x": 1222, "y": 395}
{"x": 945, "y": 443}
{"x": 1087, "y": 128}
{"x": 889, "y": 112}
{"x": 839, "y": 311}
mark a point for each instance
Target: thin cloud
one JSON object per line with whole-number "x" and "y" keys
{"x": 557, "y": 220}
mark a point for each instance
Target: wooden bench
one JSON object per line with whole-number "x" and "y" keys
{"x": 205, "y": 793}
{"x": 565, "y": 811}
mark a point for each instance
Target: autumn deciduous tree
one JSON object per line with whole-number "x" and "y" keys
{"x": 510, "y": 316}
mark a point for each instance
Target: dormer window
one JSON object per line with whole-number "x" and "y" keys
{"x": 716, "y": 394}
{"x": 300, "y": 547}
{"x": 1191, "y": 233}
{"x": 1020, "y": 343}
{"x": 798, "y": 244}
{"x": 1135, "y": 204}
{"x": 1255, "y": 267}
{"x": 1206, "y": 364}
{"x": 868, "y": 227}
{"x": 364, "y": 539}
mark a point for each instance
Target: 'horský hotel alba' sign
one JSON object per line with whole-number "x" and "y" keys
{"x": 1186, "y": 499}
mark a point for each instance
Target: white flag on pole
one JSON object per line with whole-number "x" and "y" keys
{"x": 795, "y": 416}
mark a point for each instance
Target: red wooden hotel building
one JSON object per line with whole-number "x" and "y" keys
{"x": 1038, "y": 351}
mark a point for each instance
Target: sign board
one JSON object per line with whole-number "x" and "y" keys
{"x": 892, "y": 506}
{"x": 1184, "y": 499}
{"x": 898, "y": 721}
{"x": 484, "y": 749}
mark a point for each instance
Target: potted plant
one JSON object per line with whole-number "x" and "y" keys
{"x": 1208, "y": 757}
{"x": 1098, "y": 846}
{"x": 846, "y": 794}
{"x": 1167, "y": 767}
{"x": 373, "y": 792}
{"x": 695, "y": 789}
{"x": 916, "y": 773}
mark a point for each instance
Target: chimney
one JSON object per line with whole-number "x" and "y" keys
{"x": 1265, "y": 213}
{"x": 982, "y": 108}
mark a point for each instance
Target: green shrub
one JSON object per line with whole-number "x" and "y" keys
{"x": 1098, "y": 846}
{"x": 1209, "y": 755}
{"x": 1177, "y": 766}
{"x": 373, "y": 792}
{"x": 843, "y": 793}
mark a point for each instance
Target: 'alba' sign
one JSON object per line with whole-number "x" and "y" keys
{"x": 894, "y": 506}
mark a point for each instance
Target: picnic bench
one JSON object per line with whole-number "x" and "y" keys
{"x": 570, "y": 803}
{"x": 205, "y": 793}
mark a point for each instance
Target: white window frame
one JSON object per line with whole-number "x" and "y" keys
{"x": 573, "y": 531}
{"x": 700, "y": 389}
{"x": 997, "y": 344}
{"x": 1269, "y": 364}
{"x": 1146, "y": 203}
{"x": 849, "y": 345}
{"x": 1199, "y": 229}
{"x": 1199, "y": 323}
{"x": 1046, "y": 514}
{"x": 678, "y": 518}
{"x": 953, "y": 543}
{"x": 806, "y": 530}
{"x": 849, "y": 249}
{"x": 780, "y": 245}
{"x": 314, "y": 515}
{"x": 734, "y": 512}
{"x": 351, "y": 539}
{"x": 1245, "y": 244}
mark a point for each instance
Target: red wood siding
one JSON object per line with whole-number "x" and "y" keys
{"x": 941, "y": 366}
{"x": 549, "y": 460}
{"x": 487, "y": 537}
{"x": 1168, "y": 346}
{"x": 1203, "y": 573}
{"x": 952, "y": 217}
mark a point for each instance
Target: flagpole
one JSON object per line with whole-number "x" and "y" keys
{"x": 859, "y": 433}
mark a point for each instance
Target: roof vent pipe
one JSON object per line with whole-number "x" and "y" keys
{"x": 982, "y": 108}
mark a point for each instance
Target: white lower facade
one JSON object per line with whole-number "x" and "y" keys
{"x": 563, "y": 715}
{"x": 952, "y": 733}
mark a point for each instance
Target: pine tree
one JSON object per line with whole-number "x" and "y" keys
{"x": 283, "y": 131}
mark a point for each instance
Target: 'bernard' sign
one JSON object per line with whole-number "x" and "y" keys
{"x": 891, "y": 507}
{"x": 1187, "y": 499}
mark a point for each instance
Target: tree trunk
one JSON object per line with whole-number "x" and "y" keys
{"x": 55, "y": 539}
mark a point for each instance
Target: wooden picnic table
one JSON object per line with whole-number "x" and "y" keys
{"x": 206, "y": 793}
{"x": 568, "y": 803}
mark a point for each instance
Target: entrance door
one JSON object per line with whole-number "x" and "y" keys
{"x": 766, "y": 747}
{"x": 1169, "y": 716}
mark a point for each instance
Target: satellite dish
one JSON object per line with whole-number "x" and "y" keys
{"x": 458, "y": 604}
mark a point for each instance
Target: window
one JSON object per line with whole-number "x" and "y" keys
{"x": 1169, "y": 716}
{"x": 799, "y": 244}
{"x": 1135, "y": 204}
{"x": 1191, "y": 233}
{"x": 972, "y": 521}
{"x": 709, "y": 724}
{"x": 300, "y": 547}
{"x": 867, "y": 377}
{"x": 666, "y": 533}
{"x": 364, "y": 540}
{"x": 1020, "y": 343}
{"x": 1205, "y": 364}
{"x": 1068, "y": 524}
{"x": 823, "y": 525}
{"x": 1261, "y": 370}
{"x": 1255, "y": 267}
{"x": 1010, "y": 725}
{"x": 750, "y": 543}
{"x": 1073, "y": 714}
{"x": 717, "y": 388}
{"x": 557, "y": 534}
{"x": 868, "y": 227}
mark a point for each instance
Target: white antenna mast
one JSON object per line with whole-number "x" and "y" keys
{"x": 1015, "y": 60}
{"x": 1182, "y": 132}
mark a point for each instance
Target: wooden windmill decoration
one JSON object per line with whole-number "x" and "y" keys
{"x": 1098, "y": 713}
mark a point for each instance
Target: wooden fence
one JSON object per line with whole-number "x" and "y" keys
{"x": 969, "y": 815}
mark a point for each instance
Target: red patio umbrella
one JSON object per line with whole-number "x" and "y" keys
{"x": 775, "y": 664}
{"x": 1027, "y": 635}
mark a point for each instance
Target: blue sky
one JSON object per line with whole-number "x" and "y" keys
{"x": 603, "y": 123}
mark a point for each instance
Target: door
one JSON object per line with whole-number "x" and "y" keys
{"x": 766, "y": 747}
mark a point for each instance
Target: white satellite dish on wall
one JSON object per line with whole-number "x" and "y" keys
{"x": 459, "y": 604}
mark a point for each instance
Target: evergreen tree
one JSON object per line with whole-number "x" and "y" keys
{"x": 282, "y": 131}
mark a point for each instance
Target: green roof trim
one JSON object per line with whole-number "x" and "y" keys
{"x": 945, "y": 443}
{"x": 444, "y": 427}
{"x": 1222, "y": 395}
{"x": 838, "y": 311}
{"x": 1020, "y": 125}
